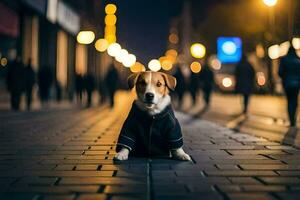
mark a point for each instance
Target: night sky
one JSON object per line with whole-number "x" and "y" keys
{"x": 143, "y": 26}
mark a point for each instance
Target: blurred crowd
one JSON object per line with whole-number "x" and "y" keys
{"x": 203, "y": 82}
{"x": 22, "y": 79}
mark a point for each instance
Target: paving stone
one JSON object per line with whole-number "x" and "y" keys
{"x": 87, "y": 167}
{"x": 280, "y": 180}
{"x": 244, "y": 180}
{"x": 92, "y": 197}
{"x": 74, "y": 160}
{"x": 59, "y": 197}
{"x": 250, "y": 196}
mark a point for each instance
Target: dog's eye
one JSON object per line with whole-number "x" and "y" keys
{"x": 158, "y": 84}
{"x": 143, "y": 83}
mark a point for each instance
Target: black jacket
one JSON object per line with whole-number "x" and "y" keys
{"x": 146, "y": 135}
{"x": 289, "y": 71}
{"x": 244, "y": 75}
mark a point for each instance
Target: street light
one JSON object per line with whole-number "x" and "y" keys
{"x": 270, "y": 3}
{"x": 195, "y": 67}
{"x": 129, "y": 60}
{"x": 101, "y": 45}
{"x": 85, "y": 37}
{"x": 198, "y": 50}
{"x": 113, "y": 49}
{"x": 154, "y": 65}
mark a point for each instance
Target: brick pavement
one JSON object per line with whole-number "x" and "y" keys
{"x": 67, "y": 154}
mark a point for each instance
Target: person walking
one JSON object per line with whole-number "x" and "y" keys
{"x": 45, "y": 78}
{"x": 194, "y": 86}
{"x": 15, "y": 82}
{"x": 244, "y": 76}
{"x": 180, "y": 86}
{"x": 207, "y": 83}
{"x": 289, "y": 71}
{"x": 79, "y": 86}
{"x": 89, "y": 86}
{"x": 29, "y": 83}
{"x": 111, "y": 82}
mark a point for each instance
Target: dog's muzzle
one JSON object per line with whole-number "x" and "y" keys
{"x": 149, "y": 97}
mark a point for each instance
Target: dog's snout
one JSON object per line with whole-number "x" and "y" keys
{"x": 149, "y": 96}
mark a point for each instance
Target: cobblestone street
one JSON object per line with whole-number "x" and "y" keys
{"x": 67, "y": 154}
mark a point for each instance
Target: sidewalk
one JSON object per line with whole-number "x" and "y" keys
{"x": 68, "y": 154}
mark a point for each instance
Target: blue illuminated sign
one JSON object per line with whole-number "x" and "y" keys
{"x": 229, "y": 49}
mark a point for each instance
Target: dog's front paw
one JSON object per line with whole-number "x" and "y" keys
{"x": 122, "y": 155}
{"x": 179, "y": 154}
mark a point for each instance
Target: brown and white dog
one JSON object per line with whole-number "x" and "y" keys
{"x": 152, "y": 89}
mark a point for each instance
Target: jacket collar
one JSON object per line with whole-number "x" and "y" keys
{"x": 142, "y": 113}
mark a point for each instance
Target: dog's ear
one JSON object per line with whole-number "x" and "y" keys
{"x": 131, "y": 80}
{"x": 170, "y": 81}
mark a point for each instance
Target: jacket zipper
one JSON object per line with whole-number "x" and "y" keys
{"x": 150, "y": 134}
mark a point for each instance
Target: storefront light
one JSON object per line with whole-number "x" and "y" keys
{"x": 85, "y": 37}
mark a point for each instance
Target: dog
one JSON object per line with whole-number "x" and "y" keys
{"x": 151, "y": 128}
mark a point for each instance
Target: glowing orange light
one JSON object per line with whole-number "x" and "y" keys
{"x": 101, "y": 45}
{"x": 195, "y": 67}
{"x": 110, "y": 20}
{"x": 166, "y": 65}
{"x": 261, "y": 79}
{"x": 173, "y": 38}
{"x": 110, "y": 9}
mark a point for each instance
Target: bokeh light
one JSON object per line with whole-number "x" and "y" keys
{"x": 110, "y": 30}
{"x": 137, "y": 67}
{"x": 227, "y": 82}
{"x": 173, "y": 38}
{"x": 274, "y": 51}
{"x": 261, "y": 78}
{"x": 166, "y": 64}
{"x": 111, "y": 38}
{"x": 195, "y": 67}
{"x": 284, "y": 48}
{"x": 113, "y": 49}
{"x": 260, "y": 52}
{"x": 216, "y": 64}
{"x": 129, "y": 60}
{"x": 296, "y": 43}
{"x": 101, "y": 45}
{"x": 110, "y": 20}
{"x": 110, "y": 9}
{"x": 3, "y": 62}
{"x": 154, "y": 65}
{"x": 270, "y": 3}
{"x": 122, "y": 55}
{"x": 198, "y": 50}
{"x": 85, "y": 37}
{"x": 229, "y": 48}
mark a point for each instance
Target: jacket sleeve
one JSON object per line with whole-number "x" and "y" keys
{"x": 174, "y": 138}
{"x": 127, "y": 136}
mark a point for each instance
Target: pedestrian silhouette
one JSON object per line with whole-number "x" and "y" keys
{"x": 180, "y": 86}
{"x": 29, "y": 83}
{"x": 15, "y": 82}
{"x": 244, "y": 76}
{"x": 289, "y": 71}
{"x": 194, "y": 86}
{"x": 45, "y": 79}
{"x": 103, "y": 93}
{"x": 207, "y": 83}
{"x": 58, "y": 90}
{"x": 79, "y": 86}
{"x": 111, "y": 82}
{"x": 89, "y": 86}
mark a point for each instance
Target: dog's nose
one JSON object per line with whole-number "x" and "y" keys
{"x": 149, "y": 96}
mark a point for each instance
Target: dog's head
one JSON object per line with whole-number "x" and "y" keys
{"x": 151, "y": 87}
